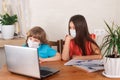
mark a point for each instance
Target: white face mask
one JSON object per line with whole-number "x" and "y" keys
{"x": 32, "y": 44}
{"x": 73, "y": 32}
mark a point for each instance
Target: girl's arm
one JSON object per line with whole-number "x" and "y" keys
{"x": 65, "y": 52}
{"x": 55, "y": 58}
{"x": 89, "y": 57}
{"x": 96, "y": 54}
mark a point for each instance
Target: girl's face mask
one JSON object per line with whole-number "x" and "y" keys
{"x": 32, "y": 44}
{"x": 73, "y": 32}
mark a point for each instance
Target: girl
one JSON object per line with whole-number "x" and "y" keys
{"x": 79, "y": 44}
{"x": 36, "y": 38}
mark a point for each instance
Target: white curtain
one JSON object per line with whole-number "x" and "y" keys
{"x": 21, "y": 8}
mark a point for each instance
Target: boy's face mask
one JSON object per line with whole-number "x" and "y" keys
{"x": 73, "y": 32}
{"x": 32, "y": 44}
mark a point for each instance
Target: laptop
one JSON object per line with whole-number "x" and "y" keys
{"x": 25, "y": 61}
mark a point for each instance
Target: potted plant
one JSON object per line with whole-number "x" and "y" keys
{"x": 111, "y": 51}
{"x": 8, "y": 26}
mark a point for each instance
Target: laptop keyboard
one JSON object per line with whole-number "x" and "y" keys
{"x": 45, "y": 72}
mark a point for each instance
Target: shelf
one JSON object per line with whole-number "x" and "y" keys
{"x": 15, "y": 41}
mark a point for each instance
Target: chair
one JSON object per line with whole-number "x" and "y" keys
{"x": 58, "y": 44}
{"x": 61, "y": 44}
{"x": 55, "y": 44}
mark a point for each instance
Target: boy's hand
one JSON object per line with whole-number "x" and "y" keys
{"x": 41, "y": 60}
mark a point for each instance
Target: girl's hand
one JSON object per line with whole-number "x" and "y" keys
{"x": 68, "y": 38}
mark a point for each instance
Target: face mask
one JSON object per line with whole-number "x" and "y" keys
{"x": 73, "y": 32}
{"x": 32, "y": 44}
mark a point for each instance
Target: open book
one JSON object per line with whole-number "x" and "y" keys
{"x": 88, "y": 65}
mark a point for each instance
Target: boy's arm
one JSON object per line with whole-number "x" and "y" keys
{"x": 55, "y": 58}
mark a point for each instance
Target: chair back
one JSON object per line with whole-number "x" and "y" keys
{"x": 55, "y": 44}
{"x": 59, "y": 44}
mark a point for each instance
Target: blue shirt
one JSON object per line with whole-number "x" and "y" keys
{"x": 45, "y": 51}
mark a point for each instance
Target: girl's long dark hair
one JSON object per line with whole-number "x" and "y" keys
{"x": 82, "y": 33}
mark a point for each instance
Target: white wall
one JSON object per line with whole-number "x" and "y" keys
{"x": 53, "y": 15}
{"x": 0, "y": 12}
{"x": 0, "y": 6}
{"x": 118, "y": 11}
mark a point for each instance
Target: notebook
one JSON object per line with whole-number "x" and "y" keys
{"x": 25, "y": 61}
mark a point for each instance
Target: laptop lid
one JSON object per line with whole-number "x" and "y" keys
{"x": 22, "y": 60}
{"x": 25, "y": 61}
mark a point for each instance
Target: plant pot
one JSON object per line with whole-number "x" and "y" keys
{"x": 112, "y": 67}
{"x": 8, "y": 31}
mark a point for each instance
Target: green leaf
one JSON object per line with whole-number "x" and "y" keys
{"x": 6, "y": 19}
{"x": 111, "y": 42}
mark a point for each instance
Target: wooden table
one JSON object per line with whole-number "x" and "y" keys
{"x": 15, "y": 41}
{"x": 66, "y": 73}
